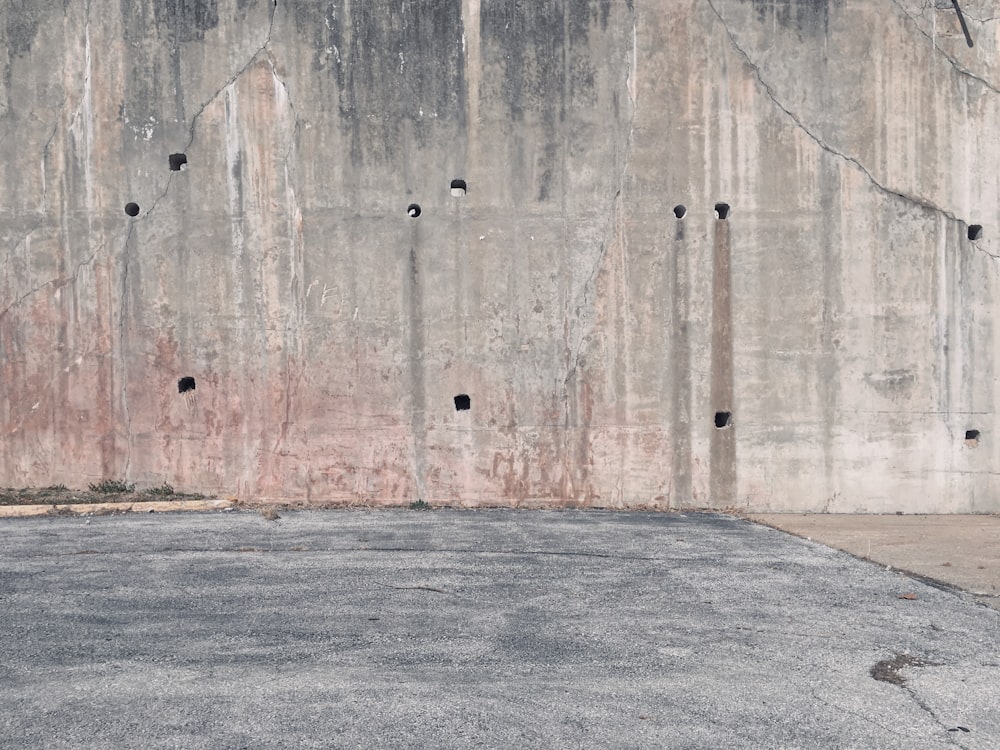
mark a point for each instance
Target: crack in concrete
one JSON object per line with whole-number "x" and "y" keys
{"x": 59, "y": 281}
{"x": 961, "y": 69}
{"x": 614, "y": 232}
{"x": 47, "y": 146}
{"x": 201, "y": 110}
{"x": 614, "y": 220}
{"x": 919, "y": 201}
{"x": 233, "y": 78}
{"x": 11, "y": 249}
{"x": 984, "y": 251}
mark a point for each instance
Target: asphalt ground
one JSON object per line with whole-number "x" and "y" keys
{"x": 454, "y": 629}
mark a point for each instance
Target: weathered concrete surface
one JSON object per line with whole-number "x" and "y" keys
{"x": 963, "y": 551}
{"x": 476, "y": 629}
{"x": 840, "y": 313}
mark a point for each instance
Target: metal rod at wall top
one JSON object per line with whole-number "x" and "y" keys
{"x": 961, "y": 20}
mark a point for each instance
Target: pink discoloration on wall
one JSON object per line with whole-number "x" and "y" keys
{"x": 328, "y": 332}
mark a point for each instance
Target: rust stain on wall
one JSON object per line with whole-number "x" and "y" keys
{"x": 849, "y": 333}
{"x": 722, "y": 457}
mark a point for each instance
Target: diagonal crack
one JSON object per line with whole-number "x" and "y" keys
{"x": 959, "y": 68}
{"x": 15, "y": 246}
{"x": 58, "y": 282}
{"x": 614, "y": 217}
{"x": 61, "y": 281}
{"x": 889, "y": 671}
{"x": 983, "y": 250}
{"x": 191, "y": 138}
{"x": 917, "y": 200}
{"x": 11, "y": 249}
{"x": 201, "y": 110}
{"x": 232, "y": 79}
{"x": 952, "y": 740}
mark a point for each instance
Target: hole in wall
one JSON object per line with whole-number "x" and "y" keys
{"x": 132, "y": 209}
{"x": 721, "y": 210}
{"x": 723, "y": 419}
{"x": 972, "y": 438}
{"x": 413, "y": 210}
{"x": 975, "y": 231}
{"x": 463, "y": 402}
{"x": 185, "y": 384}
{"x": 679, "y": 210}
{"x": 177, "y": 162}
{"x": 458, "y": 188}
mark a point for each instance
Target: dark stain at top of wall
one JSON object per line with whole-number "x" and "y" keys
{"x": 528, "y": 42}
{"x": 392, "y": 61}
{"x": 541, "y": 61}
{"x": 543, "y": 49}
{"x": 145, "y": 65}
{"x": 23, "y": 18}
{"x": 806, "y": 16}
{"x": 186, "y": 20}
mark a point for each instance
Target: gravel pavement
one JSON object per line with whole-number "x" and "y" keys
{"x": 472, "y": 629}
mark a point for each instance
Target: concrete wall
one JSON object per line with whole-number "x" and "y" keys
{"x": 839, "y": 313}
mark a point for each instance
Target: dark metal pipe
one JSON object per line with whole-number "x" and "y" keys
{"x": 961, "y": 20}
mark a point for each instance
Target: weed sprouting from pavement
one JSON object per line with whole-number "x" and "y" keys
{"x": 420, "y": 505}
{"x": 102, "y": 492}
{"x": 112, "y": 487}
{"x": 167, "y": 491}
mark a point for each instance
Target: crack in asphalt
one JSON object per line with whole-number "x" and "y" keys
{"x": 327, "y": 550}
{"x": 889, "y": 670}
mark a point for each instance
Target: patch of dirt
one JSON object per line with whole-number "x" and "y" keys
{"x": 105, "y": 492}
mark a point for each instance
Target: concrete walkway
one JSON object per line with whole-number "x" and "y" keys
{"x": 450, "y": 629}
{"x": 962, "y": 551}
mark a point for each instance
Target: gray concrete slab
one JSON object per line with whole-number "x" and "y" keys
{"x": 476, "y": 629}
{"x": 960, "y": 550}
